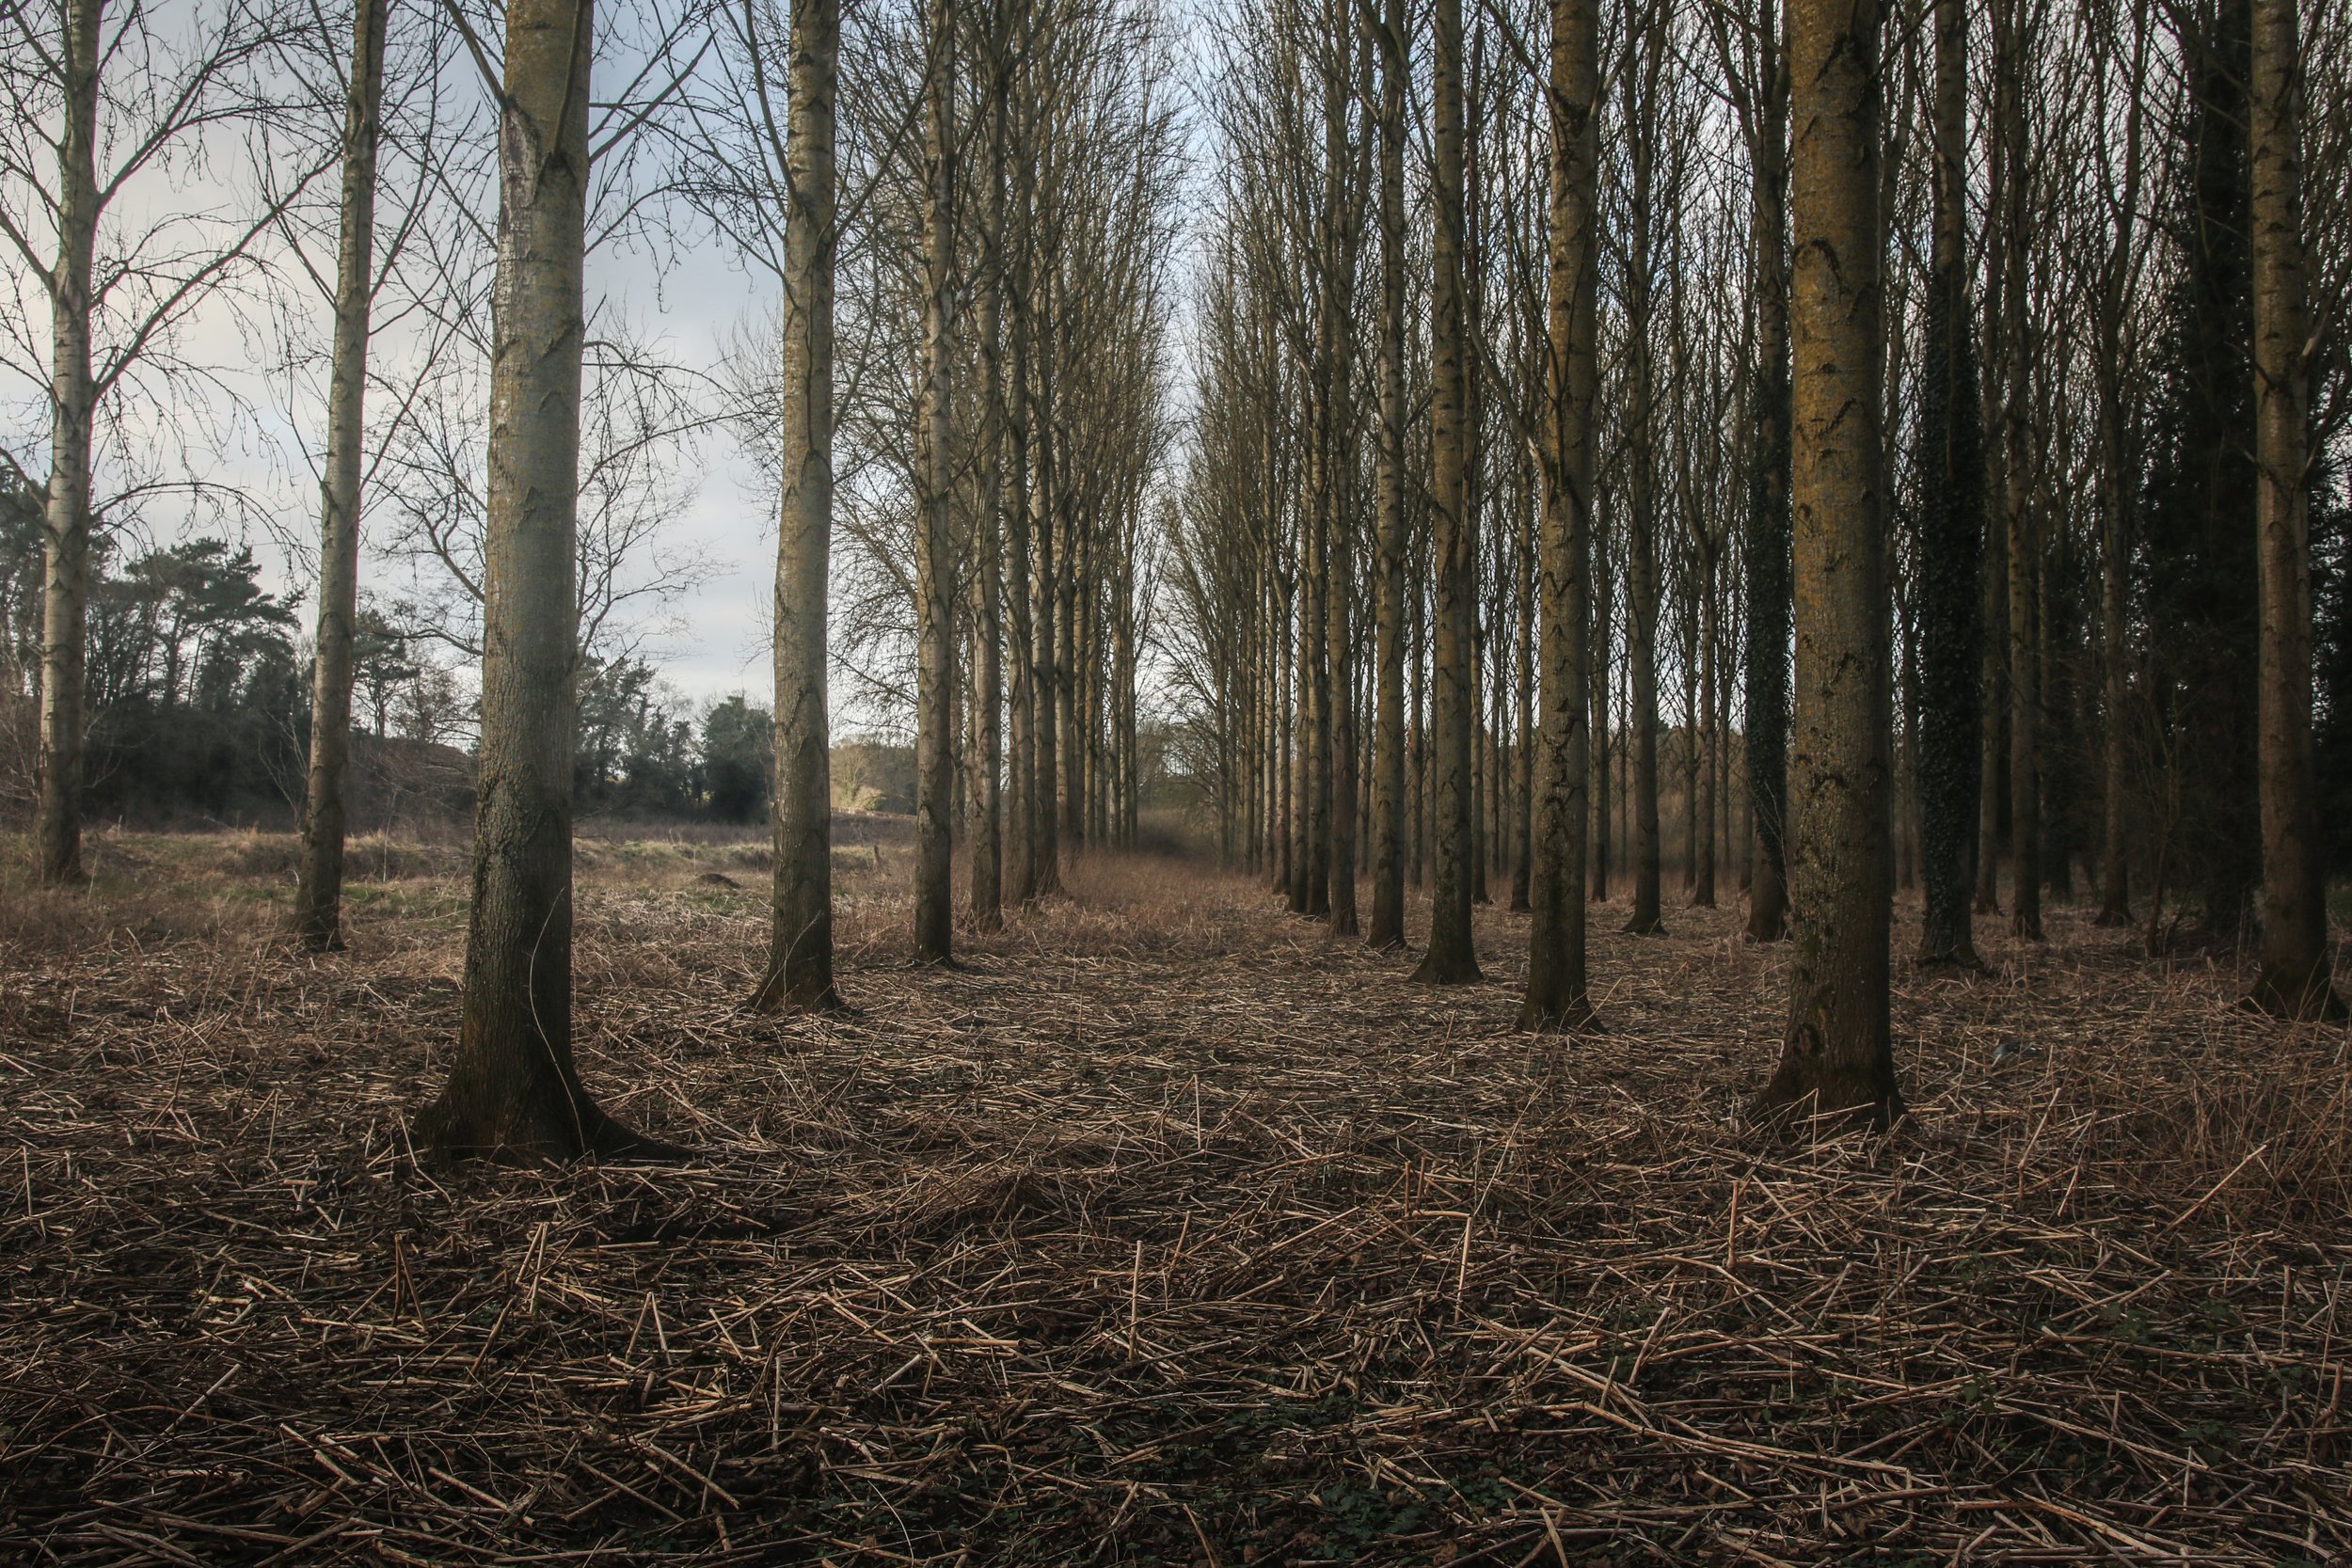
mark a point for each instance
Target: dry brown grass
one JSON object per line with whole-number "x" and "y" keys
{"x": 1163, "y": 1230}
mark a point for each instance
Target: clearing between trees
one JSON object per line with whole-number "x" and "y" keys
{"x": 1165, "y": 1229}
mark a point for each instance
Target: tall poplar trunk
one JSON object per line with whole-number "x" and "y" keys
{"x": 513, "y": 1092}
{"x": 1838, "y": 1057}
{"x": 319, "y": 872}
{"x": 1768, "y": 520}
{"x": 2293, "y": 979}
{"x": 1947, "y": 739}
{"x": 1993, "y": 689}
{"x": 1387, "y": 810}
{"x": 1711, "y": 759}
{"x": 1556, "y": 989}
{"x": 1451, "y": 959}
{"x": 2017, "y": 504}
{"x": 73, "y": 407}
{"x": 1021, "y": 870}
{"x": 1642, "y": 571}
{"x": 934, "y": 550}
{"x": 1603, "y": 750}
{"x": 1338, "y": 464}
{"x": 800, "y": 945}
{"x": 987, "y": 840}
{"x": 1044, "y": 808}
{"x": 2115, "y": 905}
{"x": 1521, "y": 812}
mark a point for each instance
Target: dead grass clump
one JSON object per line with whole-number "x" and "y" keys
{"x": 1162, "y": 1229}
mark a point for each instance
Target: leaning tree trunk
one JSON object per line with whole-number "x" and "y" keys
{"x": 1389, "y": 833}
{"x": 1556, "y": 994}
{"x": 73, "y": 407}
{"x": 1768, "y": 523}
{"x": 800, "y": 944}
{"x": 2293, "y": 979}
{"x": 934, "y": 550}
{"x": 513, "y": 1092}
{"x": 1951, "y": 535}
{"x": 319, "y": 875}
{"x": 1451, "y": 959}
{"x": 1838, "y": 1058}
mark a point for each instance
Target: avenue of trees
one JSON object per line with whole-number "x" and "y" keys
{"x": 1899, "y": 475}
{"x": 1534, "y": 452}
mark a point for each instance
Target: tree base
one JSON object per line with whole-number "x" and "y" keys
{"x": 2112, "y": 916}
{"x": 1960, "y": 959}
{"x": 2025, "y": 929}
{"x": 2306, "y": 997}
{"x": 1573, "y": 1018}
{"x": 776, "y": 995}
{"x": 544, "y": 1133}
{"x": 1766, "y": 931}
{"x": 1644, "y": 926}
{"x": 1344, "y": 926}
{"x": 1435, "y": 970}
{"x": 311, "y": 939}
{"x": 1807, "y": 1099}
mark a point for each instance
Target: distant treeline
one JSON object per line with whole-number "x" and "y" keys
{"x": 199, "y": 707}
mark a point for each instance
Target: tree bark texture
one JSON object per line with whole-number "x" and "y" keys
{"x": 1838, "y": 1058}
{"x": 319, "y": 871}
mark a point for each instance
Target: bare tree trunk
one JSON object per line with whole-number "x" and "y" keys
{"x": 1839, "y": 1055}
{"x": 1603, "y": 750}
{"x": 513, "y": 1092}
{"x": 1644, "y": 59}
{"x": 1021, "y": 802}
{"x": 1451, "y": 959}
{"x": 2293, "y": 979}
{"x": 2011, "y": 175}
{"x": 1710, "y": 761}
{"x": 1947, "y": 741}
{"x": 1556, "y": 991}
{"x": 1045, "y": 812}
{"x": 987, "y": 844}
{"x": 934, "y": 550}
{"x": 1767, "y": 521}
{"x": 800, "y": 944}
{"x": 1339, "y": 462}
{"x": 319, "y": 875}
{"x": 1388, "y": 810}
{"x": 66, "y": 526}
{"x": 2115, "y": 904}
{"x": 1522, "y": 815}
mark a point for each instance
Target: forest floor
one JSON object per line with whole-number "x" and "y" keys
{"x": 1166, "y": 1230}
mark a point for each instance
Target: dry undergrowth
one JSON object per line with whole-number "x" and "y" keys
{"x": 1164, "y": 1231}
